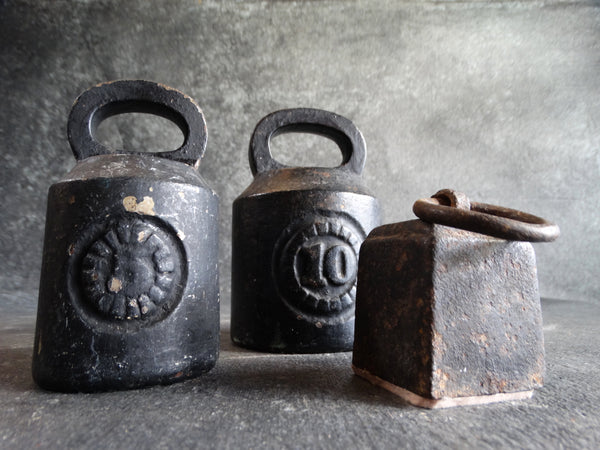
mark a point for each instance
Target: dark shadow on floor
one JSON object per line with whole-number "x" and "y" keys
{"x": 328, "y": 376}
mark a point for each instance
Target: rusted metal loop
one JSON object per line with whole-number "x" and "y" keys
{"x": 324, "y": 123}
{"x": 487, "y": 219}
{"x": 449, "y": 197}
{"x": 127, "y": 96}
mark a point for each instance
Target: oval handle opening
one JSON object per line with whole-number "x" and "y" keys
{"x": 300, "y": 149}
{"x": 139, "y": 132}
{"x": 307, "y": 120}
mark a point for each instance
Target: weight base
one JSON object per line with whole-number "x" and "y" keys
{"x": 447, "y": 402}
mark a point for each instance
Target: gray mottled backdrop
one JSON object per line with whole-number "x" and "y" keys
{"x": 500, "y": 100}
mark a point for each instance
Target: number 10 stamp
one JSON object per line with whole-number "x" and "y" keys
{"x": 315, "y": 264}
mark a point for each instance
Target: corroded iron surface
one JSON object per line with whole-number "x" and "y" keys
{"x": 448, "y": 313}
{"x": 454, "y": 209}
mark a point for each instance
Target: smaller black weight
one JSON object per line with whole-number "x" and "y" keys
{"x": 129, "y": 292}
{"x": 296, "y": 238}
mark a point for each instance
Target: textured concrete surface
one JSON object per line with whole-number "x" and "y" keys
{"x": 254, "y": 400}
{"x": 500, "y": 100}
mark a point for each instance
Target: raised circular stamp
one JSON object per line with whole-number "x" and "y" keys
{"x": 128, "y": 271}
{"x": 315, "y": 263}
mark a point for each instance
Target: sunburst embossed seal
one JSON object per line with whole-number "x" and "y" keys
{"x": 315, "y": 264}
{"x": 132, "y": 270}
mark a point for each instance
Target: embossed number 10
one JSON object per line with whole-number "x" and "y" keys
{"x": 327, "y": 264}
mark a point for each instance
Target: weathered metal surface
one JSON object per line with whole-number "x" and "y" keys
{"x": 492, "y": 220}
{"x": 445, "y": 313}
{"x": 296, "y": 237}
{"x": 129, "y": 286}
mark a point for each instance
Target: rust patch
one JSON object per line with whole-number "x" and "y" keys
{"x": 482, "y": 340}
{"x": 442, "y": 378}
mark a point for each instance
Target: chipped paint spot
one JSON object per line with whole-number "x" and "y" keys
{"x": 141, "y": 236}
{"x": 151, "y": 189}
{"x": 181, "y": 235}
{"x": 115, "y": 285}
{"x": 146, "y": 206}
{"x": 71, "y": 249}
{"x": 319, "y": 325}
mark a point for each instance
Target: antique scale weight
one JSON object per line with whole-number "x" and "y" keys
{"x": 296, "y": 237}
{"x": 129, "y": 292}
{"x": 448, "y": 309}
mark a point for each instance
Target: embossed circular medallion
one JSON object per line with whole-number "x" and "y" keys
{"x": 315, "y": 264}
{"x": 131, "y": 269}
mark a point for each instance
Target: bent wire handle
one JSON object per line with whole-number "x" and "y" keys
{"x": 316, "y": 121}
{"x": 126, "y": 96}
{"x": 497, "y": 221}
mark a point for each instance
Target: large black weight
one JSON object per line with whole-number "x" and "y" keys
{"x": 129, "y": 292}
{"x": 296, "y": 238}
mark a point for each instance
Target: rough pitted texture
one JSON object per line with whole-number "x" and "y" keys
{"x": 496, "y": 99}
{"x": 487, "y": 334}
{"x": 447, "y": 313}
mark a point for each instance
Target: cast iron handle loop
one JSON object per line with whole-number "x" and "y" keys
{"x": 324, "y": 123}
{"x": 127, "y": 96}
{"x": 454, "y": 209}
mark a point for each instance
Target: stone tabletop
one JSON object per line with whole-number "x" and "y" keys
{"x": 257, "y": 400}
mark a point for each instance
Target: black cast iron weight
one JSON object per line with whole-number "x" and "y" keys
{"x": 296, "y": 238}
{"x": 448, "y": 317}
{"x": 129, "y": 292}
